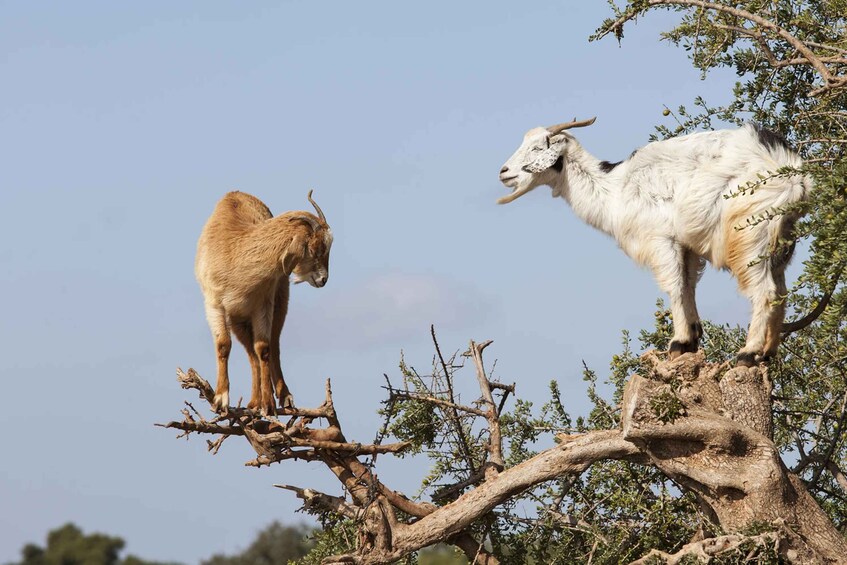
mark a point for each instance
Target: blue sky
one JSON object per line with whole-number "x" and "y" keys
{"x": 122, "y": 124}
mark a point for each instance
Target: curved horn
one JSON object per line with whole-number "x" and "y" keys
{"x": 318, "y": 208}
{"x": 558, "y": 128}
{"x": 307, "y": 218}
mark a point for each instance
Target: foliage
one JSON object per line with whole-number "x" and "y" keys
{"x": 274, "y": 545}
{"x": 68, "y": 545}
{"x": 796, "y": 87}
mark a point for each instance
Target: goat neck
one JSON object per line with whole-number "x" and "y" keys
{"x": 587, "y": 188}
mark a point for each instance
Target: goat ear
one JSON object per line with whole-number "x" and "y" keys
{"x": 549, "y": 156}
{"x": 543, "y": 162}
{"x": 295, "y": 251}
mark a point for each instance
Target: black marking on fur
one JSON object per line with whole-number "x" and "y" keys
{"x": 784, "y": 250}
{"x": 745, "y": 359}
{"x": 634, "y": 151}
{"x": 682, "y": 347}
{"x": 559, "y": 165}
{"x": 770, "y": 139}
{"x": 606, "y": 166}
{"x": 697, "y": 331}
{"x": 782, "y": 256}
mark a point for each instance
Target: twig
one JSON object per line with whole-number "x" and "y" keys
{"x": 495, "y": 438}
{"x": 318, "y": 502}
{"x": 453, "y": 414}
{"x": 409, "y": 395}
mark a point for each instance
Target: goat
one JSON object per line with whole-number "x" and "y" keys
{"x": 675, "y": 204}
{"x": 244, "y": 259}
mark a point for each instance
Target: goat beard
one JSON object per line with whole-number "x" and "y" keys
{"x": 517, "y": 193}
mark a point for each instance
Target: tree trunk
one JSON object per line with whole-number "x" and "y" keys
{"x": 711, "y": 434}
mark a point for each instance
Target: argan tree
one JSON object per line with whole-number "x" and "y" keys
{"x": 688, "y": 459}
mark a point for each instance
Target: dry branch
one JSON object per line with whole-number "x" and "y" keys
{"x": 705, "y": 426}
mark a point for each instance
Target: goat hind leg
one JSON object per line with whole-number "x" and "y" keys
{"x": 764, "y": 328}
{"x": 776, "y": 316}
{"x": 244, "y": 333}
{"x": 262, "y": 348}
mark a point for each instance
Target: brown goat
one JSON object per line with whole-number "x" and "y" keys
{"x": 244, "y": 259}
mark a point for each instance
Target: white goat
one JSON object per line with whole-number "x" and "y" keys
{"x": 244, "y": 259}
{"x": 669, "y": 207}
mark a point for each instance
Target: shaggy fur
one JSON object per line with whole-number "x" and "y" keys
{"x": 244, "y": 259}
{"x": 667, "y": 206}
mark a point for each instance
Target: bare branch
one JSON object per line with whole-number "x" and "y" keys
{"x": 409, "y": 395}
{"x": 319, "y": 503}
{"x": 454, "y": 416}
{"x": 495, "y": 438}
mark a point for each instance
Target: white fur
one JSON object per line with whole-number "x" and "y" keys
{"x": 666, "y": 207}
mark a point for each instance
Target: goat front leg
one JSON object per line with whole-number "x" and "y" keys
{"x": 694, "y": 267}
{"x": 216, "y": 317}
{"x": 676, "y": 270}
{"x": 283, "y": 395}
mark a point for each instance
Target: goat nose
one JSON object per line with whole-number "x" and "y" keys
{"x": 504, "y": 170}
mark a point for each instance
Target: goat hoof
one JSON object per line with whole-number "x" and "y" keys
{"x": 287, "y": 402}
{"x": 268, "y": 408}
{"x": 677, "y": 348}
{"x": 220, "y": 403}
{"x": 747, "y": 359}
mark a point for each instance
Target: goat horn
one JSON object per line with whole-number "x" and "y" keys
{"x": 318, "y": 208}
{"x": 558, "y": 128}
{"x": 306, "y": 218}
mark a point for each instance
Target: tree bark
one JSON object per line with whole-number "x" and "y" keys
{"x": 714, "y": 441}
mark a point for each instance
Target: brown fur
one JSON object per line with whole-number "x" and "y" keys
{"x": 244, "y": 259}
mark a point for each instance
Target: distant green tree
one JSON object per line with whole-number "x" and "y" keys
{"x": 275, "y": 545}
{"x": 68, "y": 545}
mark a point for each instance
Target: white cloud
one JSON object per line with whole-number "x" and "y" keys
{"x": 384, "y": 311}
